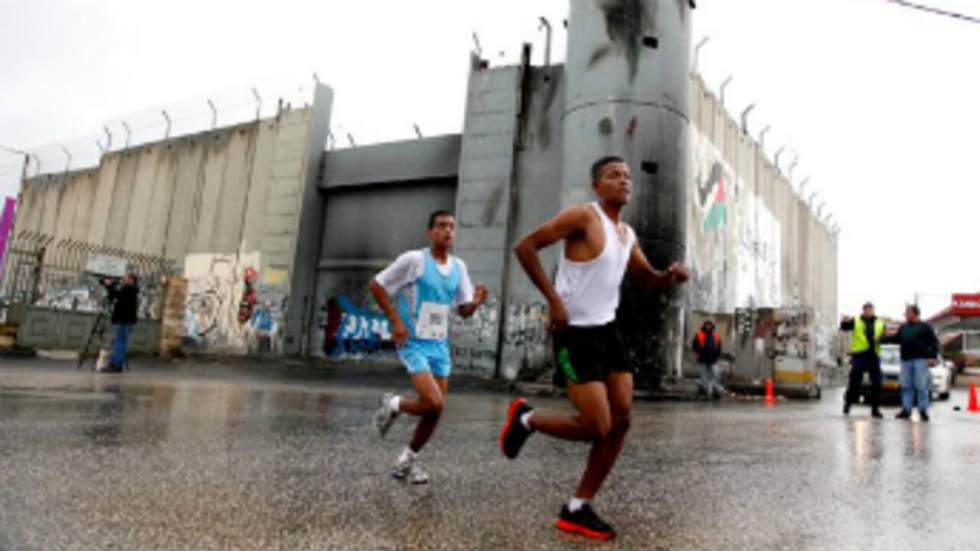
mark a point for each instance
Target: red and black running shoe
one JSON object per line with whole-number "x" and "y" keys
{"x": 584, "y": 522}
{"x": 514, "y": 433}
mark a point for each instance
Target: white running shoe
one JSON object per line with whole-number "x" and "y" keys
{"x": 386, "y": 415}
{"x": 409, "y": 472}
{"x": 418, "y": 476}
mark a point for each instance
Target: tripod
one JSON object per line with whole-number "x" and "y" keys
{"x": 97, "y": 335}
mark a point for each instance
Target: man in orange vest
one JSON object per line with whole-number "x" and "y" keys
{"x": 707, "y": 351}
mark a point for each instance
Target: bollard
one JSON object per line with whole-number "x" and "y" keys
{"x": 973, "y": 407}
{"x": 770, "y": 396}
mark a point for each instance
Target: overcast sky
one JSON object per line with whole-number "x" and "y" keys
{"x": 879, "y": 102}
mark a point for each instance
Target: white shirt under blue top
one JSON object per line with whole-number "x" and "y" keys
{"x": 426, "y": 293}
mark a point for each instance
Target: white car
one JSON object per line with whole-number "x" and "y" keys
{"x": 941, "y": 376}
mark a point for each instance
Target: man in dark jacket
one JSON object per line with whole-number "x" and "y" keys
{"x": 866, "y": 334}
{"x": 707, "y": 351}
{"x": 920, "y": 348}
{"x": 124, "y": 296}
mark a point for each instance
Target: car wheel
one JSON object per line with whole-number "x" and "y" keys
{"x": 944, "y": 396}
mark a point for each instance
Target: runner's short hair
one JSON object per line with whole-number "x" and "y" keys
{"x": 914, "y": 308}
{"x": 601, "y": 163}
{"x": 435, "y": 216}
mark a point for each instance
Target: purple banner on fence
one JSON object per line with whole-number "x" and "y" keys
{"x": 6, "y": 222}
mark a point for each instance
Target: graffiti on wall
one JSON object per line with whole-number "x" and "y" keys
{"x": 228, "y": 309}
{"x": 735, "y": 246}
{"x": 791, "y": 329}
{"x": 758, "y": 255}
{"x": 711, "y": 198}
{"x": 526, "y": 341}
{"x": 710, "y": 256}
{"x": 352, "y": 331}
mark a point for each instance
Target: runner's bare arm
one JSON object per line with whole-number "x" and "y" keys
{"x": 399, "y": 333}
{"x": 479, "y": 297}
{"x": 568, "y": 223}
{"x": 640, "y": 268}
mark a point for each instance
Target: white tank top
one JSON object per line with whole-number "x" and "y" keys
{"x": 590, "y": 290}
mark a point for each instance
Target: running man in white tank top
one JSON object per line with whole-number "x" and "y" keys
{"x": 598, "y": 249}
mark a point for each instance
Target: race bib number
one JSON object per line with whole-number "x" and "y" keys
{"x": 433, "y": 322}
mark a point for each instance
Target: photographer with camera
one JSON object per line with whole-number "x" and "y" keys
{"x": 124, "y": 299}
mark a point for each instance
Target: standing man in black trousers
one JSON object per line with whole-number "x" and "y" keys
{"x": 124, "y": 296}
{"x": 866, "y": 334}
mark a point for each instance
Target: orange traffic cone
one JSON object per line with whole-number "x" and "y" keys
{"x": 973, "y": 407}
{"x": 770, "y": 395}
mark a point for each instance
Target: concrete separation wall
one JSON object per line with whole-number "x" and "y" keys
{"x": 484, "y": 207}
{"x": 378, "y": 200}
{"x": 232, "y": 197}
{"x": 753, "y": 242}
{"x": 750, "y": 241}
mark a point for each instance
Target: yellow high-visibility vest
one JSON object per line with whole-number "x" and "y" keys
{"x": 859, "y": 338}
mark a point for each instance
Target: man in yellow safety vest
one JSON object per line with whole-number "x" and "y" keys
{"x": 866, "y": 333}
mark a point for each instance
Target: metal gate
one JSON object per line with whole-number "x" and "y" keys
{"x": 48, "y": 294}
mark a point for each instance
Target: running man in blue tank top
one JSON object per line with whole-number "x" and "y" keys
{"x": 428, "y": 284}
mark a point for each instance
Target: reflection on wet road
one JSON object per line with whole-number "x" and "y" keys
{"x": 241, "y": 458}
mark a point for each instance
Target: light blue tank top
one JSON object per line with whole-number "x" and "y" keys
{"x": 436, "y": 290}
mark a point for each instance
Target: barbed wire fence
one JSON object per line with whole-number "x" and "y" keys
{"x": 181, "y": 118}
{"x": 204, "y": 112}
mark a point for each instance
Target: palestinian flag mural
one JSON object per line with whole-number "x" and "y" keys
{"x": 711, "y": 195}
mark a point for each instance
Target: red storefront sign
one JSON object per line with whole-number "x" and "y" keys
{"x": 966, "y": 305}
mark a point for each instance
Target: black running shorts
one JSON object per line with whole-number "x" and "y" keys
{"x": 589, "y": 354}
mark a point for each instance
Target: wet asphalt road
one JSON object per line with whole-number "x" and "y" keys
{"x": 212, "y": 457}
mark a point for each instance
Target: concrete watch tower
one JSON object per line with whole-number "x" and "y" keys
{"x": 627, "y": 94}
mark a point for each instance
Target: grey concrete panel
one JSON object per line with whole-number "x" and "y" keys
{"x": 487, "y": 238}
{"x": 102, "y": 205}
{"x": 161, "y": 199}
{"x": 51, "y": 202}
{"x": 284, "y": 203}
{"x": 67, "y": 202}
{"x": 185, "y": 206}
{"x": 120, "y": 207}
{"x": 142, "y": 199}
{"x": 488, "y": 262}
{"x": 409, "y": 161}
{"x": 29, "y": 207}
{"x": 382, "y": 221}
{"x": 486, "y": 166}
{"x": 484, "y": 213}
{"x": 234, "y": 192}
{"x": 84, "y": 206}
{"x": 625, "y": 98}
{"x": 215, "y": 163}
{"x": 282, "y": 225}
{"x": 608, "y": 58}
{"x": 526, "y": 342}
{"x": 45, "y": 328}
{"x": 261, "y": 180}
{"x": 300, "y": 317}
{"x": 484, "y": 202}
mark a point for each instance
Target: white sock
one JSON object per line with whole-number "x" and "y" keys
{"x": 407, "y": 455}
{"x": 526, "y": 420}
{"x": 394, "y": 403}
{"x": 575, "y": 504}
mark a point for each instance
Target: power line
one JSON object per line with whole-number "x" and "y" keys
{"x": 936, "y": 11}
